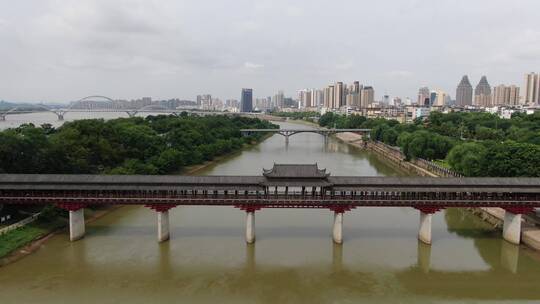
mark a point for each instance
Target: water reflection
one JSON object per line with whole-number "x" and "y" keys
{"x": 424, "y": 257}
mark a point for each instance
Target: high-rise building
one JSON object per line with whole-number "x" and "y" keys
{"x": 505, "y": 95}
{"x": 339, "y": 95}
{"x": 278, "y": 101}
{"x": 367, "y": 97}
{"x": 531, "y": 91}
{"x": 329, "y": 97}
{"x": 440, "y": 99}
{"x": 482, "y": 93}
{"x": 246, "y": 101}
{"x": 356, "y": 87}
{"x": 423, "y": 95}
{"x": 305, "y": 98}
{"x": 464, "y": 92}
{"x": 317, "y": 98}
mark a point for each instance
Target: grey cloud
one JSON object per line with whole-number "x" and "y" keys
{"x": 183, "y": 48}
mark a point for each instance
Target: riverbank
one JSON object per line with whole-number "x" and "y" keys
{"x": 530, "y": 234}
{"x": 30, "y": 238}
{"x": 195, "y": 168}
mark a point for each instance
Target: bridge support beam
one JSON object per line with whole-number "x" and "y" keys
{"x": 512, "y": 223}
{"x": 76, "y": 225}
{"x": 250, "y": 226}
{"x": 512, "y": 227}
{"x": 163, "y": 226}
{"x": 424, "y": 227}
{"x": 76, "y": 220}
{"x": 337, "y": 231}
{"x": 163, "y": 230}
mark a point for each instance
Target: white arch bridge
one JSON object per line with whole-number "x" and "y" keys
{"x": 109, "y": 106}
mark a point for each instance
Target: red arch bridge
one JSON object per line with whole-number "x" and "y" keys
{"x": 283, "y": 186}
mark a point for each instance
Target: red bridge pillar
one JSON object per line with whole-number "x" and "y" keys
{"x": 163, "y": 231}
{"x": 424, "y": 228}
{"x": 512, "y": 223}
{"x": 337, "y": 231}
{"x": 76, "y": 220}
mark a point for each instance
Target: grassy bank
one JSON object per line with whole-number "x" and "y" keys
{"x": 18, "y": 238}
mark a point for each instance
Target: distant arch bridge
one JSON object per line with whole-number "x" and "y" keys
{"x": 289, "y": 132}
{"x": 108, "y": 105}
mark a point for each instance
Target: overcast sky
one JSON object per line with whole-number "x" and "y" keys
{"x": 62, "y": 50}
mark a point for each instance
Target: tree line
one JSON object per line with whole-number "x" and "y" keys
{"x": 473, "y": 144}
{"x": 151, "y": 145}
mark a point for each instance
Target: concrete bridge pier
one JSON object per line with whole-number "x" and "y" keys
{"x": 76, "y": 224}
{"x": 337, "y": 231}
{"x": 163, "y": 230}
{"x": 287, "y": 139}
{"x": 512, "y": 227}
{"x": 2, "y": 117}
{"x": 424, "y": 227}
{"x": 76, "y": 220}
{"x": 512, "y": 223}
{"x": 163, "y": 226}
{"x": 250, "y": 226}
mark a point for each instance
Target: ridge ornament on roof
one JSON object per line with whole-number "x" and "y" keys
{"x": 303, "y": 171}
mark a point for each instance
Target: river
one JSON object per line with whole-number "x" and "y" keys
{"x": 293, "y": 260}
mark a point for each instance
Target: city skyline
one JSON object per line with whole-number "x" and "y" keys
{"x": 56, "y": 51}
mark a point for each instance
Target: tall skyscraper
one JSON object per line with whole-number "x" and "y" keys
{"x": 329, "y": 97}
{"x": 278, "y": 100}
{"x": 367, "y": 96}
{"x": 423, "y": 94}
{"x": 464, "y": 92}
{"x": 531, "y": 91}
{"x": 441, "y": 99}
{"x": 317, "y": 98}
{"x": 432, "y": 98}
{"x": 246, "y": 101}
{"x": 482, "y": 93}
{"x": 339, "y": 95}
{"x": 505, "y": 95}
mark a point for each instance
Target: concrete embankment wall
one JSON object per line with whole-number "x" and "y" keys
{"x": 19, "y": 224}
{"x": 530, "y": 235}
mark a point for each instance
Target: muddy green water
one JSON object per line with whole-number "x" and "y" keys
{"x": 294, "y": 259}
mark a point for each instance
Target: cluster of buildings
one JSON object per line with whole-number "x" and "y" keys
{"x": 101, "y": 103}
{"x": 483, "y": 95}
{"x": 356, "y": 98}
{"x": 337, "y": 96}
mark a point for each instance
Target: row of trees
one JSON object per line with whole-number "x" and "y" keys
{"x": 473, "y": 144}
{"x": 154, "y": 145}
